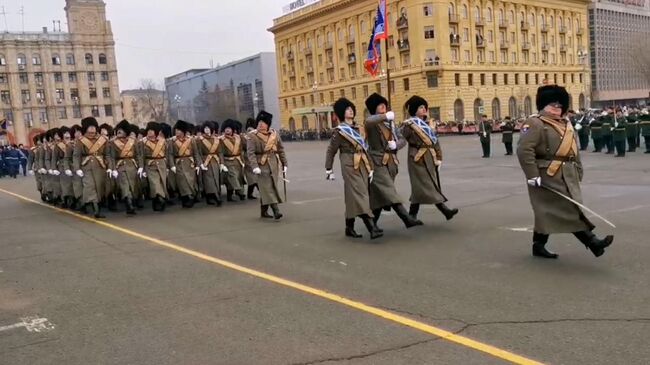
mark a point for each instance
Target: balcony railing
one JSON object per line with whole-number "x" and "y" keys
{"x": 580, "y": 31}
{"x": 563, "y": 47}
{"x": 351, "y": 39}
{"x": 403, "y": 45}
{"x": 290, "y": 56}
{"x": 544, "y": 28}
{"x": 562, "y": 29}
{"x": 307, "y": 51}
{"x": 503, "y": 24}
{"x": 505, "y": 45}
{"x": 329, "y": 44}
{"x": 480, "y": 44}
{"x": 479, "y": 21}
{"x": 545, "y": 47}
{"x": 525, "y": 46}
{"x": 432, "y": 63}
{"x": 453, "y": 18}
{"x": 525, "y": 25}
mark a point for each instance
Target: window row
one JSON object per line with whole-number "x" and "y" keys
{"x": 508, "y": 79}
{"x": 21, "y": 59}
{"x": 60, "y": 95}
{"x": 62, "y": 113}
{"x": 23, "y": 77}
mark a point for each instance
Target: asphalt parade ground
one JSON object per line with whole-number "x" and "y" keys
{"x": 220, "y": 286}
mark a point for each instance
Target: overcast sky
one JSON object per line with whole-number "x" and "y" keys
{"x": 158, "y": 38}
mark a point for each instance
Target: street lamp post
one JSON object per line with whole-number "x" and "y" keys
{"x": 177, "y": 99}
{"x": 256, "y": 99}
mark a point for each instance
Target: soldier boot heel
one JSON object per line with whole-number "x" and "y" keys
{"x": 539, "y": 247}
{"x": 241, "y": 195}
{"x": 211, "y": 199}
{"x": 349, "y": 229}
{"x": 97, "y": 211}
{"x": 276, "y": 212}
{"x": 251, "y": 189}
{"x": 229, "y": 196}
{"x": 448, "y": 213}
{"x": 414, "y": 209}
{"x": 371, "y": 227}
{"x": 409, "y": 221}
{"x": 594, "y": 244}
{"x": 377, "y": 214}
{"x": 265, "y": 212}
{"x": 130, "y": 209}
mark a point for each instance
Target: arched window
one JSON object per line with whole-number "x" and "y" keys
{"x": 21, "y": 59}
{"x": 569, "y": 23}
{"x": 319, "y": 40}
{"x": 542, "y": 19}
{"x": 496, "y": 108}
{"x": 3, "y": 60}
{"x": 489, "y": 14}
{"x": 528, "y": 106}
{"x": 532, "y": 19}
{"x": 551, "y": 20}
{"x": 89, "y": 59}
{"x": 478, "y": 103}
{"x": 69, "y": 59}
{"x": 560, "y": 21}
{"x": 330, "y": 37}
{"x": 351, "y": 31}
{"x": 582, "y": 102}
{"x": 305, "y": 122}
{"x": 512, "y": 17}
{"x": 459, "y": 110}
{"x": 452, "y": 9}
{"x": 477, "y": 13}
{"x": 102, "y": 59}
{"x": 36, "y": 59}
{"x": 56, "y": 60}
{"x": 292, "y": 124}
{"x": 465, "y": 11}
{"x": 362, "y": 26}
{"x": 341, "y": 35}
{"x": 512, "y": 107}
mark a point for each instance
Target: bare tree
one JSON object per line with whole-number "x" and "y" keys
{"x": 150, "y": 102}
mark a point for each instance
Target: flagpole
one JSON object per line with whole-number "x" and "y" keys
{"x": 386, "y": 22}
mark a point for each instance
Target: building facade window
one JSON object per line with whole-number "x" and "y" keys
{"x": 36, "y": 60}
{"x": 69, "y": 59}
{"x": 89, "y": 59}
{"x": 108, "y": 110}
{"x": 459, "y": 110}
{"x": 72, "y": 76}
{"x": 95, "y": 111}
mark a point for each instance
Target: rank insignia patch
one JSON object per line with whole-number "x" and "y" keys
{"x": 525, "y": 128}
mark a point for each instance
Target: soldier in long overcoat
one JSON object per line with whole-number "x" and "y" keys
{"x": 181, "y": 159}
{"x": 89, "y": 161}
{"x": 356, "y": 168}
{"x": 251, "y": 178}
{"x": 232, "y": 147}
{"x": 60, "y": 155}
{"x": 507, "y": 131}
{"x": 548, "y": 154}
{"x": 208, "y": 156}
{"x": 124, "y": 166}
{"x": 152, "y": 165}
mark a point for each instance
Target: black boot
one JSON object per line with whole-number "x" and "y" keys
{"x": 139, "y": 203}
{"x": 448, "y": 213}
{"x": 130, "y": 209}
{"x": 539, "y": 249}
{"x": 349, "y": 229}
{"x": 414, "y": 209}
{"x": 594, "y": 244}
{"x": 218, "y": 200}
{"x": 265, "y": 212}
{"x": 66, "y": 202}
{"x": 251, "y": 189}
{"x": 112, "y": 204}
{"x": 83, "y": 208}
{"x": 409, "y": 221}
{"x": 371, "y": 226}
{"x": 276, "y": 212}
{"x": 156, "y": 204}
{"x": 211, "y": 199}
{"x": 97, "y": 211}
{"x": 376, "y": 215}
{"x": 241, "y": 195}
{"x": 229, "y": 195}
{"x": 187, "y": 201}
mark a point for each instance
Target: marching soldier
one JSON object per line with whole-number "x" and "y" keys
{"x": 485, "y": 135}
{"x": 89, "y": 161}
{"x": 251, "y": 178}
{"x": 167, "y": 132}
{"x": 619, "y": 134}
{"x": 134, "y": 132}
{"x": 584, "y": 129}
{"x": 424, "y": 159}
{"x": 53, "y": 169}
{"x": 232, "y": 146}
{"x": 62, "y": 166}
{"x": 266, "y": 156}
{"x": 181, "y": 155}
{"x": 46, "y": 162}
{"x": 33, "y": 163}
{"x": 632, "y": 131}
{"x": 152, "y": 165}
{"x": 356, "y": 168}
{"x": 208, "y": 155}
{"x": 548, "y": 154}
{"x": 608, "y": 138}
{"x": 111, "y": 187}
{"x": 77, "y": 184}
{"x": 383, "y": 144}
{"x": 596, "y": 126}
{"x": 507, "y": 130}
{"x": 123, "y": 165}
{"x": 644, "y": 124}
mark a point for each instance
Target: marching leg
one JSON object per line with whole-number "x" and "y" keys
{"x": 276, "y": 212}
{"x": 446, "y": 211}
{"x": 349, "y": 229}
{"x": 409, "y": 221}
{"x": 596, "y": 245}
{"x": 265, "y": 212}
{"x": 371, "y": 226}
{"x": 414, "y": 209}
{"x": 539, "y": 249}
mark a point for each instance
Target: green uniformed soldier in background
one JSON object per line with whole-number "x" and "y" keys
{"x": 608, "y": 137}
{"x": 485, "y": 133}
{"x": 584, "y": 130}
{"x": 596, "y": 127}
{"x": 508, "y": 130}
{"x": 619, "y": 134}
{"x": 632, "y": 131}
{"x": 644, "y": 124}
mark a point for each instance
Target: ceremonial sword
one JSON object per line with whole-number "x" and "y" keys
{"x": 579, "y": 205}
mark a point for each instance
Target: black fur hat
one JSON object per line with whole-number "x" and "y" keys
{"x": 123, "y": 125}
{"x": 166, "y": 129}
{"x": 341, "y": 105}
{"x": 63, "y": 130}
{"x": 265, "y": 117}
{"x": 251, "y": 123}
{"x": 153, "y": 126}
{"x": 183, "y": 126}
{"x": 87, "y": 123}
{"x": 552, "y": 94}
{"x": 214, "y": 126}
{"x": 374, "y": 101}
{"x": 414, "y": 103}
{"x": 232, "y": 124}
{"x": 133, "y": 129}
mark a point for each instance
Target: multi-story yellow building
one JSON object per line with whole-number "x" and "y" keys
{"x": 52, "y": 78}
{"x": 464, "y": 57}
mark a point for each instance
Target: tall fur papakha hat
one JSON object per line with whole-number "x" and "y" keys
{"x": 124, "y": 125}
{"x": 414, "y": 103}
{"x": 212, "y": 125}
{"x": 232, "y": 124}
{"x": 341, "y": 106}
{"x": 265, "y": 117}
{"x": 153, "y": 126}
{"x": 549, "y": 94}
{"x": 374, "y": 101}
{"x": 183, "y": 126}
{"x": 87, "y": 123}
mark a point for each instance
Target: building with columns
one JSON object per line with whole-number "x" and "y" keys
{"x": 53, "y": 78}
{"x": 464, "y": 56}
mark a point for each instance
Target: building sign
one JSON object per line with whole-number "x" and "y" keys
{"x": 298, "y": 4}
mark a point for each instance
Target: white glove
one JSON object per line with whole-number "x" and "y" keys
{"x": 50, "y": 172}
{"x": 484, "y": 134}
{"x": 329, "y": 175}
{"x": 42, "y": 171}
{"x": 284, "y": 170}
{"x": 370, "y": 176}
{"x": 115, "y": 174}
{"x": 80, "y": 173}
{"x": 390, "y": 116}
{"x": 204, "y": 168}
{"x": 173, "y": 169}
{"x": 31, "y": 172}
{"x": 197, "y": 169}
{"x": 141, "y": 172}
{"x": 535, "y": 182}
{"x": 438, "y": 164}
{"x": 257, "y": 171}
{"x": 392, "y": 145}
{"x": 56, "y": 172}
{"x": 223, "y": 168}
{"x": 68, "y": 173}
{"x": 109, "y": 172}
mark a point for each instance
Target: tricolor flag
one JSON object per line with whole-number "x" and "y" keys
{"x": 379, "y": 32}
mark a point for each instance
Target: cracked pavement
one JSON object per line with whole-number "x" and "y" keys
{"x": 115, "y": 299}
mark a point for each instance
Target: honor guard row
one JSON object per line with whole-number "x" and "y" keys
{"x": 89, "y": 166}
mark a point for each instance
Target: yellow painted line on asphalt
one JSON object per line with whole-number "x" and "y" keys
{"x": 405, "y": 321}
